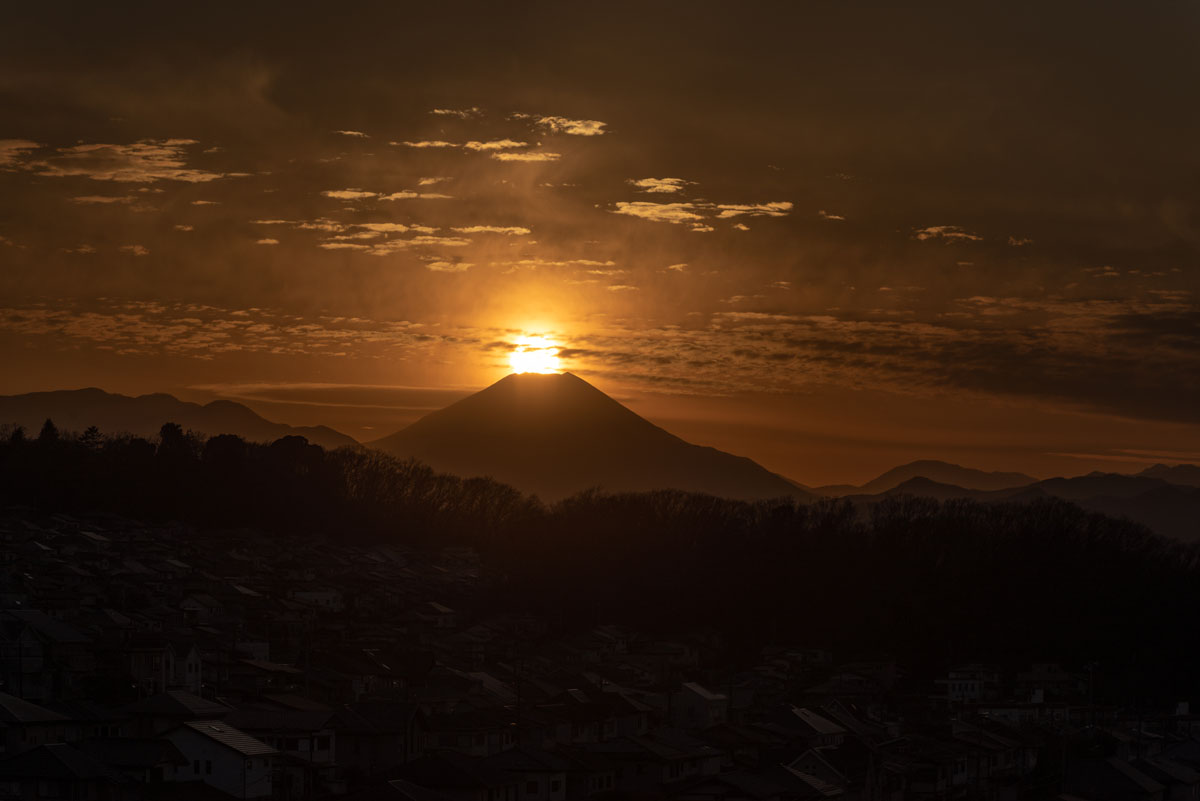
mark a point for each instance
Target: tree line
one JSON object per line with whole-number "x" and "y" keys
{"x": 924, "y": 581}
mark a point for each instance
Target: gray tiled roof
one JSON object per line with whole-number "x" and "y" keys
{"x": 230, "y": 737}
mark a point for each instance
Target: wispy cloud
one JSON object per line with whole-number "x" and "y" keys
{"x": 357, "y": 134}
{"x": 535, "y": 155}
{"x": 495, "y": 144}
{"x": 461, "y": 113}
{"x": 147, "y": 161}
{"x": 509, "y": 230}
{"x": 425, "y": 143}
{"x": 564, "y": 125}
{"x": 946, "y": 233}
{"x": 696, "y": 213}
{"x": 13, "y": 150}
{"x": 659, "y": 185}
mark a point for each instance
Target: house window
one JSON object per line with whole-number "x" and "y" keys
{"x": 555, "y": 786}
{"x": 531, "y": 788}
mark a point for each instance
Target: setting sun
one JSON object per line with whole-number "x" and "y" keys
{"x": 535, "y": 354}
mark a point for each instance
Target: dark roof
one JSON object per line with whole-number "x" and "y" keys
{"x": 230, "y": 737}
{"x": 295, "y": 720}
{"x": 446, "y": 770}
{"x": 178, "y": 704}
{"x": 127, "y": 752}
{"x": 56, "y": 761}
{"x": 18, "y": 710}
{"x": 47, "y": 626}
{"x": 526, "y": 759}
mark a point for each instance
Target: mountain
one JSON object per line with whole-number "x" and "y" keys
{"x": 76, "y": 409}
{"x": 1172, "y": 510}
{"x": 1185, "y": 475}
{"x": 556, "y": 435}
{"x": 935, "y": 471}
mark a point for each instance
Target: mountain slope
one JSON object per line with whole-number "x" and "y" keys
{"x": 555, "y": 435}
{"x": 935, "y": 471}
{"x": 75, "y": 410}
{"x": 1185, "y": 475}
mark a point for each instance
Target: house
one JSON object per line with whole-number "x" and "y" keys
{"x": 145, "y": 760}
{"x": 61, "y": 772}
{"x": 665, "y": 757}
{"x": 541, "y": 775}
{"x": 1110, "y": 779}
{"x": 450, "y": 776}
{"x": 225, "y": 758}
{"x": 24, "y": 725}
{"x": 374, "y": 737}
{"x": 695, "y": 707}
{"x": 165, "y": 711}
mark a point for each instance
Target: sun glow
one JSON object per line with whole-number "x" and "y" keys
{"x": 535, "y": 354}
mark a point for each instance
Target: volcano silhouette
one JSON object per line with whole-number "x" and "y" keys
{"x": 556, "y": 435}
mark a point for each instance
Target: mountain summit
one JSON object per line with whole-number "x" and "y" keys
{"x": 556, "y": 434}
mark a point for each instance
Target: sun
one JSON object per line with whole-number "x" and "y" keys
{"x": 535, "y": 354}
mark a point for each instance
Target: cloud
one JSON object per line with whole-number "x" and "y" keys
{"x": 510, "y": 230}
{"x": 677, "y": 267}
{"x": 103, "y": 200}
{"x": 564, "y": 125}
{"x": 146, "y": 161}
{"x": 536, "y": 155}
{"x": 947, "y": 233}
{"x": 695, "y": 213}
{"x": 448, "y": 266}
{"x": 430, "y": 181}
{"x": 495, "y": 144}
{"x": 408, "y": 194}
{"x": 824, "y": 215}
{"x": 135, "y": 250}
{"x": 348, "y": 194}
{"x": 362, "y": 194}
{"x": 425, "y": 143}
{"x": 461, "y": 113}
{"x": 775, "y": 209}
{"x": 206, "y": 203}
{"x": 182, "y": 227}
{"x": 266, "y": 241}
{"x": 621, "y": 288}
{"x": 660, "y": 185}
{"x": 1017, "y": 242}
{"x": 660, "y": 212}
{"x": 390, "y": 246}
{"x": 13, "y": 150}
{"x": 358, "y": 134}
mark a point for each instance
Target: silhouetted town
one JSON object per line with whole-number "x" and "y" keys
{"x": 163, "y": 662}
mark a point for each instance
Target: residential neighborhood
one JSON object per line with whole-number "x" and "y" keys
{"x": 164, "y": 662}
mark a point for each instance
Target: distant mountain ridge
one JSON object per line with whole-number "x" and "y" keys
{"x": 933, "y": 470}
{"x": 143, "y": 415}
{"x": 1172, "y": 510}
{"x": 556, "y": 435}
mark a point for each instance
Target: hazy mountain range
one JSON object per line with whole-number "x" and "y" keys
{"x": 143, "y": 415}
{"x": 555, "y": 435}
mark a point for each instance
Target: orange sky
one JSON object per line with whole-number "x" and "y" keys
{"x": 831, "y": 237}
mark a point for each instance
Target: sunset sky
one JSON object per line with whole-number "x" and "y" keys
{"x": 830, "y": 236}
